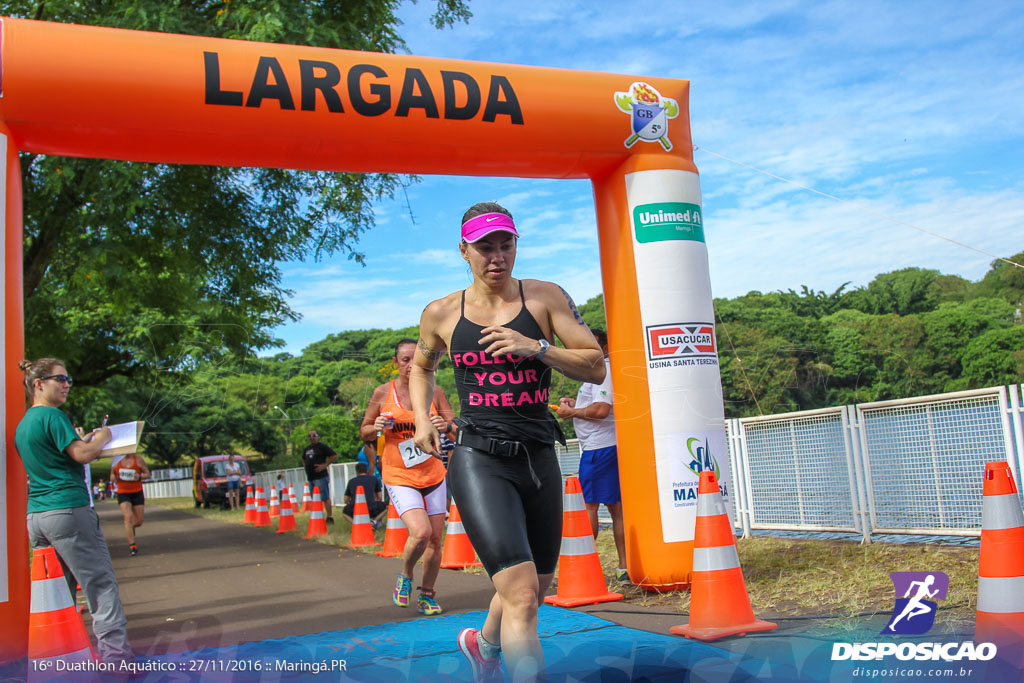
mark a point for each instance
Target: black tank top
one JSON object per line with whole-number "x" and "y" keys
{"x": 504, "y": 396}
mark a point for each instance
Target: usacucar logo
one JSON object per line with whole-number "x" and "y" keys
{"x": 679, "y": 340}
{"x": 649, "y": 114}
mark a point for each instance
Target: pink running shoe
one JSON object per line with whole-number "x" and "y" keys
{"x": 483, "y": 669}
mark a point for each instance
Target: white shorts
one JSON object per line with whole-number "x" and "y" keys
{"x": 406, "y": 498}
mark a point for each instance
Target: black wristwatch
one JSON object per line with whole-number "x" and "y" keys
{"x": 544, "y": 346}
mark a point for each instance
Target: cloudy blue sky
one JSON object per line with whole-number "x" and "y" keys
{"x": 911, "y": 110}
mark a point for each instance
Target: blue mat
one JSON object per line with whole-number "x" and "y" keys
{"x": 577, "y": 647}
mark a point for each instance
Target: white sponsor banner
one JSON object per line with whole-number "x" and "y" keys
{"x": 681, "y": 349}
{"x": 679, "y": 458}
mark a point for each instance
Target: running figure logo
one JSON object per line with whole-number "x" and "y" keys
{"x": 650, "y": 113}
{"x": 914, "y": 614}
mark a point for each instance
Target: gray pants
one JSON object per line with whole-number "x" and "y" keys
{"x": 76, "y": 536}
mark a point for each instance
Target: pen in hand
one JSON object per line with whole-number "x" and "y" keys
{"x": 105, "y": 418}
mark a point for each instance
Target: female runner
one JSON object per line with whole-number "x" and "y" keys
{"x": 129, "y": 472}
{"x": 504, "y": 473}
{"x": 415, "y": 481}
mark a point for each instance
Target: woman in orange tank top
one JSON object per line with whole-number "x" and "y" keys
{"x": 415, "y": 480}
{"x": 129, "y": 472}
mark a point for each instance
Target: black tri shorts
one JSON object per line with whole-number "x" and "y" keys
{"x": 136, "y": 499}
{"x": 508, "y": 518}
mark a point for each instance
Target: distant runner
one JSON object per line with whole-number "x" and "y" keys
{"x": 415, "y": 480}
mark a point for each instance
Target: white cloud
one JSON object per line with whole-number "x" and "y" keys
{"x": 821, "y": 243}
{"x": 913, "y": 109}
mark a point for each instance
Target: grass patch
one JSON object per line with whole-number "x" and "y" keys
{"x": 785, "y": 577}
{"x": 822, "y": 578}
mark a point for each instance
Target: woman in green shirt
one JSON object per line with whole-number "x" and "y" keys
{"x": 59, "y": 514}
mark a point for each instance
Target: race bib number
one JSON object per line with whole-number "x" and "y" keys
{"x": 411, "y": 455}
{"x": 127, "y": 475}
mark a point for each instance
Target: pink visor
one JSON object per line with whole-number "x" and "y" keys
{"x": 485, "y": 224}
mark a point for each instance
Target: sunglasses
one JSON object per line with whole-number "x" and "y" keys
{"x": 59, "y": 378}
{"x": 313, "y": 434}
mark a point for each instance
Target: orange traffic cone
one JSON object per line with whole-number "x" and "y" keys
{"x": 458, "y": 552}
{"x": 719, "y": 605}
{"x": 250, "y": 507}
{"x": 291, "y": 495}
{"x": 262, "y": 516}
{"x": 362, "y": 530}
{"x": 580, "y": 577}
{"x": 317, "y": 522}
{"x": 275, "y": 504}
{"x": 1000, "y": 616}
{"x": 286, "y": 520}
{"x": 55, "y": 628}
{"x": 395, "y": 536}
{"x": 307, "y": 502}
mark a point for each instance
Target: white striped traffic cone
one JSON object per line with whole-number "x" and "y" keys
{"x": 458, "y": 552}
{"x": 262, "y": 515}
{"x": 55, "y": 628}
{"x": 580, "y": 577}
{"x": 250, "y": 506}
{"x": 719, "y": 604}
{"x": 395, "y": 536}
{"x": 317, "y": 522}
{"x": 286, "y": 520}
{"x": 307, "y": 502}
{"x": 362, "y": 530}
{"x": 1000, "y": 615}
{"x": 275, "y": 504}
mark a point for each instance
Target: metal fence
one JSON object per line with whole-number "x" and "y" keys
{"x": 910, "y": 466}
{"x": 170, "y": 488}
{"x": 792, "y": 470}
{"x": 168, "y": 473}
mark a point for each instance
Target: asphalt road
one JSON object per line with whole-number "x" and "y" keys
{"x": 198, "y": 583}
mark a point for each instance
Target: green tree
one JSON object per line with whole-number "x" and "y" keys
{"x": 905, "y": 291}
{"x": 337, "y": 427}
{"x": 593, "y": 313}
{"x": 130, "y": 268}
{"x": 949, "y": 289}
{"x": 996, "y": 357}
{"x": 763, "y": 373}
{"x": 808, "y": 303}
{"x": 876, "y": 357}
{"x": 1004, "y": 280}
{"x": 952, "y": 327}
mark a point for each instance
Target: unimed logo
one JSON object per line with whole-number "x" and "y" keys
{"x": 680, "y": 340}
{"x": 668, "y": 222}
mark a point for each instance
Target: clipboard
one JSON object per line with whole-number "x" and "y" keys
{"x": 124, "y": 439}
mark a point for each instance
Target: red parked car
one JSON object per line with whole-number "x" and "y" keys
{"x": 210, "y": 481}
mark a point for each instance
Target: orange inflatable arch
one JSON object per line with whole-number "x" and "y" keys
{"x": 96, "y": 92}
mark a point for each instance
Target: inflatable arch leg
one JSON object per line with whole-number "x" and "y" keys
{"x": 14, "y": 582}
{"x": 662, "y": 348}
